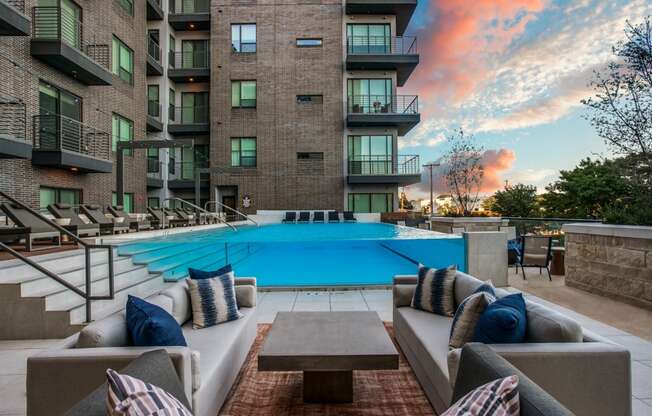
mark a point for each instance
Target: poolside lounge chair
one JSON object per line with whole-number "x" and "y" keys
{"x": 348, "y": 217}
{"x": 290, "y": 216}
{"x": 118, "y": 212}
{"x": 333, "y": 216}
{"x": 188, "y": 217}
{"x": 95, "y": 214}
{"x": 76, "y": 226}
{"x": 304, "y": 216}
{"x": 157, "y": 218}
{"x": 536, "y": 251}
{"x": 173, "y": 218}
{"x": 30, "y": 227}
{"x": 318, "y": 216}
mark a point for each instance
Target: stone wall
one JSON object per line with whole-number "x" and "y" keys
{"x": 610, "y": 260}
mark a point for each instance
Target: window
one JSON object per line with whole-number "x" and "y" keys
{"x": 370, "y": 155}
{"x": 194, "y": 54}
{"x": 310, "y": 155}
{"x": 172, "y": 99}
{"x": 243, "y": 38}
{"x": 122, "y": 130}
{"x": 48, "y": 195}
{"x": 371, "y": 203}
{"x": 194, "y": 107}
{"x": 172, "y": 162}
{"x": 243, "y": 94}
{"x": 153, "y": 202}
{"x": 369, "y": 95}
{"x": 52, "y": 133}
{"x": 369, "y": 38}
{"x": 153, "y": 161}
{"x": 128, "y": 5}
{"x": 127, "y": 201}
{"x": 123, "y": 61}
{"x": 171, "y": 48}
{"x": 153, "y": 108}
{"x": 315, "y": 99}
{"x": 192, "y": 158}
{"x": 309, "y": 42}
{"x": 243, "y": 152}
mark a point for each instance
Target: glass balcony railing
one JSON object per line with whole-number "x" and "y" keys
{"x": 384, "y": 165}
{"x": 57, "y": 132}
{"x": 383, "y": 104}
{"x": 381, "y": 45}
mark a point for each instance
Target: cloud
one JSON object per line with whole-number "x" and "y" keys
{"x": 537, "y": 177}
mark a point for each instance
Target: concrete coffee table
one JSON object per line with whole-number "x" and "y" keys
{"x": 327, "y": 347}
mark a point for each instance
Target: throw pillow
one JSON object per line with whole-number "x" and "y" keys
{"x": 467, "y": 316}
{"x": 129, "y": 396}
{"x": 203, "y": 274}
{"x": 487, "y": 287}
{"x": 503, "y": 321}
{"x": 496, "y": 398}
{"x": 151, "y": 326}
{"x": 213, "y": 301}
{"x": 435, "y": 290}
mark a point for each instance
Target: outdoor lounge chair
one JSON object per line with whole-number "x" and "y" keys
{"x": 333, "y": 216}
{"x": 95, "y": 214}
{"x": 118, "y": 212}
{"x": 173, "y": 218}
{"x": 348, "y": 217}
{"x": 30, "y": 226}
{"x": 318, "y": 216}
{"x": 304, "y": 216}
{"x": 290, "y": 216}
{"x": 157, "y": 218}
{"x": 189, "y": 217}
{"x": 536, "y": 252}
{"x": 76, "y": 226}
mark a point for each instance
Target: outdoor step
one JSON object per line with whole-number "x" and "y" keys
{"x": 167, "y": 252}
{"x": 65, "y": 300}
{"x": 44, "y": 286}
{"x": 132, "y": 249}
{"x": 170, "y": 262}
{"x": 207, "y": 263}
{"x": 103, "y": 308}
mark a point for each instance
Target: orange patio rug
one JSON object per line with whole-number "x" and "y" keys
{"x": 376, "y": 393}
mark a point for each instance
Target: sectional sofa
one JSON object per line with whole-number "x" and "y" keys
{"x": 586, "y": 373}
{"x": 58, "y": 378}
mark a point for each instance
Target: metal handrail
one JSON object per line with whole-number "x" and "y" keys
{"x": 381, "y": 45}
{"x": 189, "y": 115}
{"x": 231, "y": 209}
{"x": 384, "y": 165}
{"x": 383, "y": 104}
{"x": 189, "y": 59}
{"x": 88, "y": 297}
{"x": 200, "y": 209}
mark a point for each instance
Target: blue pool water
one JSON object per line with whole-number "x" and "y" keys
{"x": 301, "y": 254}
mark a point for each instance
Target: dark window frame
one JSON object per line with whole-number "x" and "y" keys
{"x": 298, "y": 42}
{"x": 240, "y": 81}
{"x": 310, "y": 155}
{"x": 310, "y": 98}
{"x": 240, "y": 165}
{"x": 240, "y": 43}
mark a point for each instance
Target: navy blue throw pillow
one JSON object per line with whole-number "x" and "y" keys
{"x": 202, "y": 274}
{"x": 151, "y": 326}
{"x": 503, "y": 321}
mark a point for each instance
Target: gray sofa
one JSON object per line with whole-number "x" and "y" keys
{"x": 586, "y": 373}
{"x": 60, "y": 377}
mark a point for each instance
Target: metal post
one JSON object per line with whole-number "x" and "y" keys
{"x": 119, "y": 186}
{"x": 432, "y": 199}
{"x": 111, "y": 279}
{"x": 87, "y": 254}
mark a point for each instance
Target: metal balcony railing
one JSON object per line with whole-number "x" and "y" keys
{"x": 154, "y": 109}
{"x": 381, "y": 45}
{"x": 383, "y": 104}
{"x": 154, "y": 168}
{"x": 17, "y": 4}
{"x": 384, "y": 165}
{"x": 54, "y": 23}
{"x": 13, "y": 118}
{"x": 57, "y": 132}
{"x": 189, "y": 115}
{"x": 153, "y": 49}
{"x": 189, "y": 6}
{"x": 189, "y": 60}
{"x": 185, "y": 171}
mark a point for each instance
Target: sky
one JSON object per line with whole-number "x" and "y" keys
{"x": 512, "y": 74}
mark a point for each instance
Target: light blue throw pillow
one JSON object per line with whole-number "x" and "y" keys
{"x": 213, "y": 300}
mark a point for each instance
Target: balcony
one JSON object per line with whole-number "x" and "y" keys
{"x": 13, "y": 137}
{"x": 154, "y": 173}
{"x": 154, "y": 66}
{"x": 182, "y": 175}
{"x": 154, "y": 121}
{"x": 189, "y": 66}
{"x": 154, "y": 10}
{"x": 395, "y": 53}
{"x": 62, "y": 42}
{"x": 403, "y": 171}
{"x": 188, "y": 120}
{"x": 61, "y": 142}
{"x": 398, "y": 111}
{"x": 402, "y": 9}
{"x": 13, "y": 21}
{"x": 190, "y": 15}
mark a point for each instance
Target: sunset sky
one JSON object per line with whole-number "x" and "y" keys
{"x": 512, "y": 72}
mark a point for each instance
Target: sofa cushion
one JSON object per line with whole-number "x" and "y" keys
{"x": 108, "y": 332}
{"x": 503, "y": 321}
{"x": 496, "y": 398}
{"x": 434, "y": 291}
{"x": 547, "y": 325}
{"x": 180, "y": 297}
{"x": 150, "y": 325}
{"x": 465, "y": 285}
{"x": 213, "y": 301}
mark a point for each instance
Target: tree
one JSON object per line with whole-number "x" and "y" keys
{"x": 463, "y": 171}
{"x": 515, "y": 201}
{"x": 621, "y": 111}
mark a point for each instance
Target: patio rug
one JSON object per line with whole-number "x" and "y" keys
{"x": 376, "y": 393}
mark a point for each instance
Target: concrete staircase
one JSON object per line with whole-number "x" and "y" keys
{"x": 34, "y": 306}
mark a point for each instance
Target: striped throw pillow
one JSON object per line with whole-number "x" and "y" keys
{"x": 435, "y": 290}
{"x": 467, "y": 316}
{"x": 496, "y": 398}
{"x": 213, "y": 300}
{"x": 129, "y": 396}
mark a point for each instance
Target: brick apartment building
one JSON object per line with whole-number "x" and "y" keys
{"x": 284, "y": 105}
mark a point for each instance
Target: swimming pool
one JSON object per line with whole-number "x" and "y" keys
{"x": 282, "y": 255}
